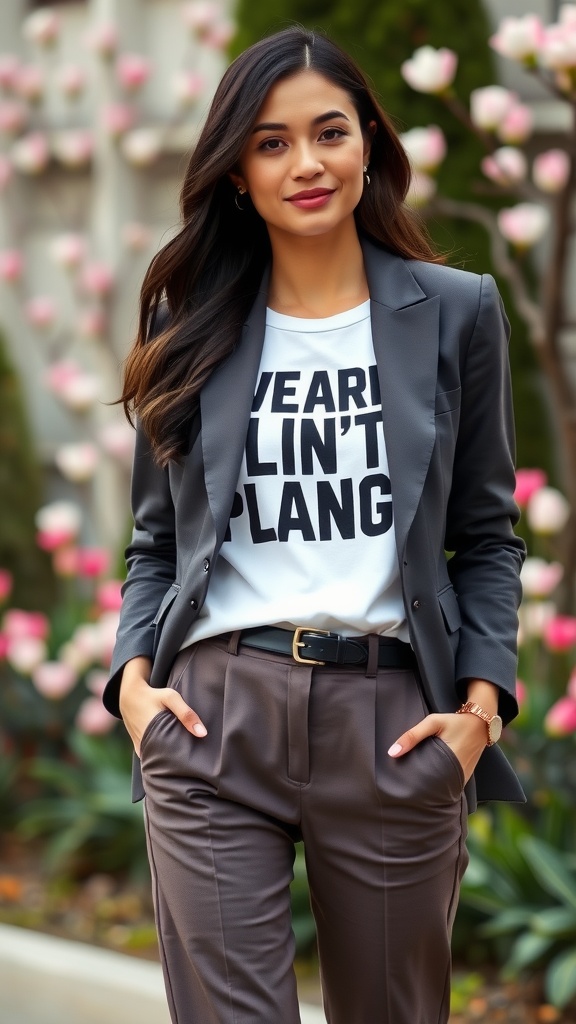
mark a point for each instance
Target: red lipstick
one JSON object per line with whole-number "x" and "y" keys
{"x": 311, "y": 198}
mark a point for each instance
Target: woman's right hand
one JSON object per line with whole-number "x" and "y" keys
{"x": 140, "y": 702}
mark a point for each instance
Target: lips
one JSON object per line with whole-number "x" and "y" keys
{"x": 311, "y": 193}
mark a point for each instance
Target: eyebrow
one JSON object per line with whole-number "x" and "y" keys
{"x": 271, "y": 126}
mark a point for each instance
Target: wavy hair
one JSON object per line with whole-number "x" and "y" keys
{"x": 209, "y": 273}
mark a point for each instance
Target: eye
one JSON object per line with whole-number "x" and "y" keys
{"x": 271, "y": 145}
{"x": 332, "y": 134}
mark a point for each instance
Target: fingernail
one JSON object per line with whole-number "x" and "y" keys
{"x": 199, "y": 729}
{"x": 395, "y": 749}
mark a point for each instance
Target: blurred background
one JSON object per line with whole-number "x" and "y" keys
{"x": 100, "y": 104}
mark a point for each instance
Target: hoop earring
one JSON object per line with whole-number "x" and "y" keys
{"x": 241, "y": 192}
{"x": 366, "y": 175}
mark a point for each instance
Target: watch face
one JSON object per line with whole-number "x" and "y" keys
{"x": 495, "y": 729}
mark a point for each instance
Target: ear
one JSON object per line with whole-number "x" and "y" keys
{"x": 368, "y": 136}
{"x": 237, "y": 180}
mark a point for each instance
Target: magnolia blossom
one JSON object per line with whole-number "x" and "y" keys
{"x": 96, "y": 681}
{"x": 42, "y": 26}
{"x": 118, "y": 118}
{"x": 71, "y": 79}
{"x": 93, "y": 561}
{"x": 84, "y": 647}
{"x": 187, "y": 86}
{"x": 560, "y": 633}
{"x": 527, "y": 482}
{"x": 73, "y": 147}
{"x": 521, "y": 692}
{"x": 426, "y": 147}
{"x": 11, "y": 265}
{"x": 133, "y": 71}
{"x": 6, "y": 172}
{"x": 517, "y": 125}
{"x": 77, "y": 462}
{"x": 58, "y": 523}
{"x": 551, "y": 170}
{"x": 539, "y": 578}
{"x": 65, "y": 563}
{"x": 9, "y": 66}
{"x": 81, "y": 391}
{"x": 519, "y": 38}
{"x": 60, "y": 373}
{"x": 109, "y": 595}
{"x": 490, "y": 105}
{"x": 30, "y": 82}
{"x": 535, "y": 616}
{"x": 41, "y": 312}
{"x": 117, "y": 440}
{"x": 92, "y": 323}
{"x": 68, "y": 250}
{"x": 135, "y": 236}
{"x": 13, "y": 116}
{"x": 93, "y": 718}
{"x": 54, "y": 679}
{"x": 430, "y": 70}
{"x": 219, "y": 35}
{"x": 31, "y": 153}
{"x": 547, "y": 511}
{"x": 558, "y": 48}
{"x": 567, "y": 15}
{"x": 6, "y": 581}
{"x": 201, "y": 14}
{"x": 97, "y": 279}
{"x": 523, "y": 225}
{"x": 561, "y": 718}
{"x": 21, "y": 625}
{"x": 422, "y": 188}
{"x": 102, "y": 39}
{"x": 506, "y": 166}
{"x": 142, "y": 146}
{"x": 25, "y": 653}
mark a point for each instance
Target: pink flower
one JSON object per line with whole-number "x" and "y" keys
{"x": 560, "y": 633}
{"x": 558, "y": 48}
{"x": 20, "y": 625}
{"x": 519, "y": 38}
{"x": 117, "y": 440}
{"x": 54, "y": 679}
{"x": 6, "y": 172}
{"x": 219, "y": 35}
{"x": 31, "y": 154}
{"x": 426, "y": 147}
{"x": 93, "y": 718}
{"x": 65, "y": 561}
{"x": 506, "y": 166}
{"x": 68, "y": 250}
{"x": 80, "y": 392}
{"x": 25, "y": 653}
{"x": 109, "y": 595}
{"x": 490, "y": 105}
{"x": 118, "y": 118}
{"x": 59, "y": 374}
{"x": 135, "y": 236}
{"x": 13, "y": 116}
{"x": 517, "y": 125}
{"x": 521, "y": 692}
{"x": 72, "y": 80}
{"x": 539, "y": 578}
{"x": 93, "y": 561}
{"x": 92, "y": 323}
{"x": 200, "y": 15}
{"x": 6, "y": 581}
{"x": 77, "y": 462}
{"x": 59, "y": 523}
{"x": 30, "y": 83}
{"x": 567, "y": 14}
{"x": 523, "y": 225}
{"x": 97, "y": 279}
{"x": 133, "y": 71}
{"x": 188, "y": 86}
{"x": 41, "y": 312}
{"x": 11, "y": 265}
{"x": 73, "y": 147}
{"x": 421, "y": 190}
{"x": 142, "y": 146}
{"x": 547, "y": 511}
{"x": 527, "y": 482}
{"x": 102, "y": 39}
{"x": 551, "y": 170}
{"x": 9, "y": 67}
{"x": 96, "y": 681}
{"x": 4, "y": 644}
{"x": 561, "y": 718}
{"x": 430, "y": 70}
{"x": 42, "y": 27}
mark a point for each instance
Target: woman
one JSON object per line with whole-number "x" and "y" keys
{"x": 323, "y": 411}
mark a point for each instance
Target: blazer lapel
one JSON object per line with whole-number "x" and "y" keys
{"x": 225, "y": 405}
{"x": 405, "y": 330}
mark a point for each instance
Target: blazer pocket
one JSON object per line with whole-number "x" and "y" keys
{"x": 450, "y": 609}
{"x": 447, "y": 400}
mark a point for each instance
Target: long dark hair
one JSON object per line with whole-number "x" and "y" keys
{"x": 210, "y": 271}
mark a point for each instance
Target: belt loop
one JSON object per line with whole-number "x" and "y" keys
{"x": 234, "y": 641}
{"x": 372, "y": 663}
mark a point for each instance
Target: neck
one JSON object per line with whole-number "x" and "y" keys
{"x": 318, "y": 276}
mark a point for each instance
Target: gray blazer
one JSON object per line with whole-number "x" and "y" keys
{"x": 440, "y": 340}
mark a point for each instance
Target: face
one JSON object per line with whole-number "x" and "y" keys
{"x": 303, "y": 163}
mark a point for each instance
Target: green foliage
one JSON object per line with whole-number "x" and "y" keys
{"x": 20, "y": 487}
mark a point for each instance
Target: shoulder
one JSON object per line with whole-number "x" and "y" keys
{"x": 449, "y": 282}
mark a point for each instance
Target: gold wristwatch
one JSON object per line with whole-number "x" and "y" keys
{"x": 493, "y": 722}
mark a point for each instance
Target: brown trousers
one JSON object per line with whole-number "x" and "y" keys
{"x": 297, "y": 752}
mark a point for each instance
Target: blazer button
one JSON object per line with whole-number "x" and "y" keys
{"x": 416, "y": 604}
{"x": 206, "y": 564}
{"x": 193, "y": 603}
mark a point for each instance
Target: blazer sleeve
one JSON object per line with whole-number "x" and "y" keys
{"x": 481, "y": 515}
{"x": 150, "y": 559}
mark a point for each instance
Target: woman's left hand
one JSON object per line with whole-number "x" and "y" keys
{"x": 465, "y": 734}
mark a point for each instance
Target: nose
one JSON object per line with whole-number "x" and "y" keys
{"x": 306, "y": 163}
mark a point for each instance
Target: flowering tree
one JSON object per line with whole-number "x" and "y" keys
{"x": 542, "y": 197}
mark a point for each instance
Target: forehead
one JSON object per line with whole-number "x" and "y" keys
{"x": 302, "y": 97}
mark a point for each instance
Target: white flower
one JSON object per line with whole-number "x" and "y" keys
{"x": 426, "y": 147}
{"x": 430, "y": 70}
{"x": 422, "y": 188}
{"x": 547, "y": 511}
{"x": 77, "y": 462}
{"x": 142, "y": 146}
{"x": 519, "y": 38}
{"x": 523, "y": 225}
{"x": 489, "y": 106}
{"x": 59, "y": 517}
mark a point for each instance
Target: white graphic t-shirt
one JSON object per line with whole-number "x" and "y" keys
{"x": 311, "y": 535}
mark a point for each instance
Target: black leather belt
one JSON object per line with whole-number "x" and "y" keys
{"x": 316, "y": 647}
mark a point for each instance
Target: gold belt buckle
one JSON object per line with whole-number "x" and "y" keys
{"x": 297, "y": 642}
